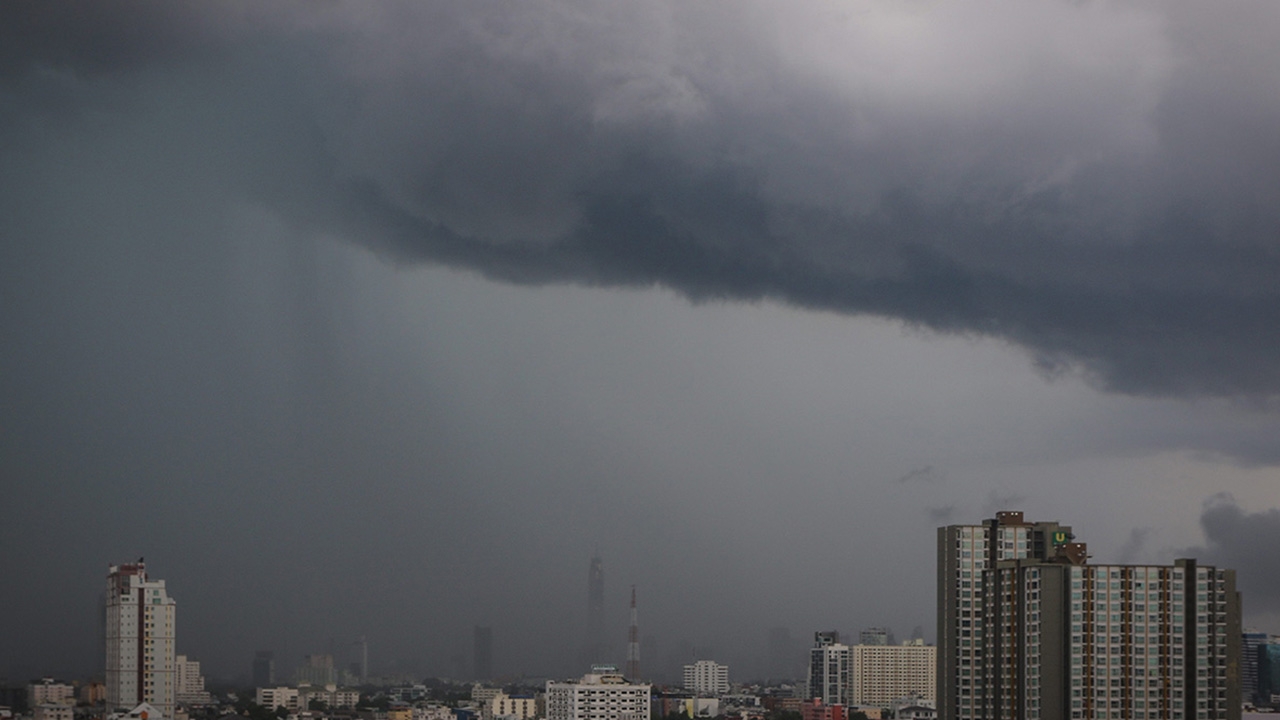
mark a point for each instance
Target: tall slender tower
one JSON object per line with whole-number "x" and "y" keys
{"x": 633, "y": 642}
{"x": 595, "y": 611}
{"x": 140, "y": 662}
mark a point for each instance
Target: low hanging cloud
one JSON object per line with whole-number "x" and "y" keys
{"x": 1233, "y": 538}
{"x": 1093, "y": 182}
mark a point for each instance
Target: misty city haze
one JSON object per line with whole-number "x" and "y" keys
{"x": 384, "y": 320}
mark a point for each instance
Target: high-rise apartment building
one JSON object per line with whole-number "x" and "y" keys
{"x": 1268, "y": 673}
{"x": 604, "y": 694}
{"x": 140, "y": 618}
{"x": 830, "y": 669}
{"x": 482, "y": 652}
{"x": 706, "y": 677}
{"x": 881, "y": 674}
{"x": 1029, "y": 630}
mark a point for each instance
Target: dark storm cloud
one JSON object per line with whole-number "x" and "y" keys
{"x": 1131, "y": 550}
{"x": 920, "y": 474}
{"x": 1110, "y": 208}
{"x": 1235, "y": 538}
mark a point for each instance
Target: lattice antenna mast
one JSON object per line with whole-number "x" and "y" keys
{"x": 633, "y": 642}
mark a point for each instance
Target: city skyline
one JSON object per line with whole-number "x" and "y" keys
{"x": 380, "y": 321}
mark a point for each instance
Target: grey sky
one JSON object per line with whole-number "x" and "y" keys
{"x": 378, "y": 320}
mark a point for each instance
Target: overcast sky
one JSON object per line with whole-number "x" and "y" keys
{"x": 381, "y": 319}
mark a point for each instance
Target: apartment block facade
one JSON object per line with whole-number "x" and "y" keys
{"x": 140, "y": 640}
{"x": 1037, "y": 633}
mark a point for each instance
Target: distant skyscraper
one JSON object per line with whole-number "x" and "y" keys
{"x": 317, "y": 670}
{"x": 595, "y": 611}
{"x": 140, "y": 663}
{"x": 264, "y": 668}
{"x": 483, "y": 652}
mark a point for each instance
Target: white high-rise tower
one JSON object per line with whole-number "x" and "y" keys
{"x": 140, "y": 640}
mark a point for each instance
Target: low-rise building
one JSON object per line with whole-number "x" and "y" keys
{"x": 53, "y": 711}
{"x": 603, "y": 695}
{"x": 278, "y": 697}
{"x": 49, "y": 690}
{"x": 502, "y": 705}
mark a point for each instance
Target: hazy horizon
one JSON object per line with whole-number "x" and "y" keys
{"x": 380, "y": 320}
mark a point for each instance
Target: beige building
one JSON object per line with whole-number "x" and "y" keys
{"x": 884, "y": 673}
{"x": 140, "y": 632}
{"x": 49, "y": 691}
{"x": 502, "y": 705}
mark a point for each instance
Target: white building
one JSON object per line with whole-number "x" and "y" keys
{"x": 278, "y": 697}
{"x": 49, "y": 691}
{"x": 140, "y": 640}
{"x": 830, "y": 670}
{"x": 884, "y": 673}
{"x": 190, "y": 683}
{"x": 604, "y": 696}
{"x": 706, "y": 677}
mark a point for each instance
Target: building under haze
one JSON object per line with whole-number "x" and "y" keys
{"x": 140, "y": 662}
{"x": 482, "y": 652}
{"x": 1028, "y": 629}
{"x": 603, "y": 694}
{"x": 875, "y": 636}
{"x": 264, "y": 668}
{"x": 595, "y": 611}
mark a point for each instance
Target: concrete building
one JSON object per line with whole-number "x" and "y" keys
{"x": 1250, "y": 641}
{"x": 706, "y": 677}
{"x": 502, "y": 705}
{"x": 1033, "y": 632}
{"x": 815, "y": 709}
{"x": 830, "y": 670}
{"x": 278, "y": 697}
{"x": 1269, "y": 674}
{"x": 189, "y": 683}
{"x": 140, "y": 631}
{"x": 874, "y": 636}
{"x": 884, "y": 673}
{"x": 49, "y": 690}
{"x": 93, "y": 692}
{"x": 603, "y": 694}
{"x": 53, "y": 711}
